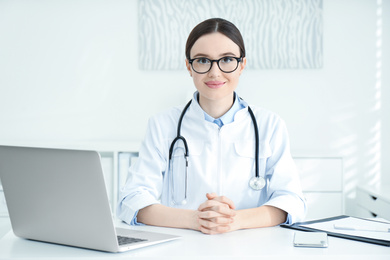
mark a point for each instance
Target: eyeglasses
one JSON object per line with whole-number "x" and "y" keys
{"x": 225, "y": 64}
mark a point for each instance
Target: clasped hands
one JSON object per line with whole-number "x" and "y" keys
{"x": 216, "y": 215}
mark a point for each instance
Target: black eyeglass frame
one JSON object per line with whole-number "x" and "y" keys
{"x": 217, "y": 61}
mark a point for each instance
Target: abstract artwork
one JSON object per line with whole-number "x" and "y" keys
{"x": 278, "y": 34}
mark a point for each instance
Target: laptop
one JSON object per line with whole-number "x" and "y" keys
{"x": 59, "y": 196}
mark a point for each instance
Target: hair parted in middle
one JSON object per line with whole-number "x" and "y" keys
{"x": 215, "y": 25}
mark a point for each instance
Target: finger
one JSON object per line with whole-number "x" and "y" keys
{"x": 208, "y": 214}
{"x": 218, "y": 207}
{"x": 207, "y": 204}
{"x": 221, "y": 220}
{"x": 207, "y": 224}
{"x": 211, "y": 196}
{"x": 215, "y": 217}
{"x": 215, "y": 230}
{"x": 225, "y": 200}
{"x": 221, "y": 199}
{"x": 214, "y": 205}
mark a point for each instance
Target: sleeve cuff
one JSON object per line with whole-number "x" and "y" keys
{"x": 296, "y": 209}
{"x": 288, "y": 220}
{"x": 128, "y": 209}
{"x": 134, "y": 221}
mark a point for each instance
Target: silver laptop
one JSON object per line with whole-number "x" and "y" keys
{"x": 59, "y": 196}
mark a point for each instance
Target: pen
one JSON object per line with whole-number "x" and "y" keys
{"x": 362, "y": 228}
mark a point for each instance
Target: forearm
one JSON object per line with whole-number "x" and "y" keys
{"x": 264, "y": 216}
{"x": 160, "y": 215}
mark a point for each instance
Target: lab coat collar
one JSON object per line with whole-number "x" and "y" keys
{"x": 195, "y": 107}
{"x": 243, "y": 113}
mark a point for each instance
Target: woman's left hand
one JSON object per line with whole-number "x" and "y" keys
{"x": 217, "y": 215}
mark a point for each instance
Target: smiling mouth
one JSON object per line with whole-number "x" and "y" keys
{"x": 215, "y": 84}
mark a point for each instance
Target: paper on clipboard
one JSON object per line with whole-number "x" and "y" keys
{"x": 328, "y": 226}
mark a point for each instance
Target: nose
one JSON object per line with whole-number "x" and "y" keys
{"x": 214, "y": 71}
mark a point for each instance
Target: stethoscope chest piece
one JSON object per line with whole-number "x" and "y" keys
{"x": 175, "y": 203}
{"x": 257, "y": 183}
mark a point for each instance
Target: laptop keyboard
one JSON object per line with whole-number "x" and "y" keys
{"x": 129, "y": 240}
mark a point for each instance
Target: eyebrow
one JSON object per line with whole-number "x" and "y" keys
{"x": 221, "y": 55}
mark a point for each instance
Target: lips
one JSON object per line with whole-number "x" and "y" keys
{"x": 215, "y": 84}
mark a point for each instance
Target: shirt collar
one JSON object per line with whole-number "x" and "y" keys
{"x": 228, "y": 117}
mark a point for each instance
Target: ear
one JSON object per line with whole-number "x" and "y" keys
{"x": 242, "y": 65}
{"x": 188, "y": 65}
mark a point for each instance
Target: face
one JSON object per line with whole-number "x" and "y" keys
{"x": 215, "y": 85}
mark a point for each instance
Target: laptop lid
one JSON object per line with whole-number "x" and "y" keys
{"x": 59, "y": 196}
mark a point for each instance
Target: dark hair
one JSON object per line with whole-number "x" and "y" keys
{"x": 215, "y": 25}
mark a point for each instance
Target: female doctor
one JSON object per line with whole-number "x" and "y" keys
{"x": 197, "y": 166}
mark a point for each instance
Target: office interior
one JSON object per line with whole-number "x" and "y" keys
{"x": 71, "y": 76}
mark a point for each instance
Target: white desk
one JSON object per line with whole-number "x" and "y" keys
{"x": 270, "y": 243}
{"x": 5, "y": 226}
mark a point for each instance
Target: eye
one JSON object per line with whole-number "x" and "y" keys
{"x": 226, "y": 59}
{"x": 203, "y": 61}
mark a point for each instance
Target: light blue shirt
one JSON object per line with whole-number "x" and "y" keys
{"x": 228, "y": 117}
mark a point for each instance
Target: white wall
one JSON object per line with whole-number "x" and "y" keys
{"x": 385, "y": 87}
{"x": 69, "y": 74}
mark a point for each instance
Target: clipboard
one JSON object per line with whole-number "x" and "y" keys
{"x": 303, "y": 226}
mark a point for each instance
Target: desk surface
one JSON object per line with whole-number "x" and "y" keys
{"x": 271, "y": 243}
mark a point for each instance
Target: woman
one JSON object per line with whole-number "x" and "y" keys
{"x": 212, "y": 194}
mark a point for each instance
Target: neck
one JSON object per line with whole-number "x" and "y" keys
{"x": 216, "y": 108}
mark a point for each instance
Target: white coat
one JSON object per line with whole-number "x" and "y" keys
{"x": 221, "y": 160}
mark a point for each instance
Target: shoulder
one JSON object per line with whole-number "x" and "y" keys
{"x": 258, "y": 111}
{"x": 271, "y": 126}
{"x": 266, "y": 116}
{"x": 165, "y": 121}
{"x": 172, "y": 113}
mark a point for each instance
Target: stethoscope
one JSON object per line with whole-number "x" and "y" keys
{"x": 257, "y": 182}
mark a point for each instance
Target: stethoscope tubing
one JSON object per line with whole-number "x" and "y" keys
{"x": 257, "y": 141}
{"x": 178, "y": 136}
